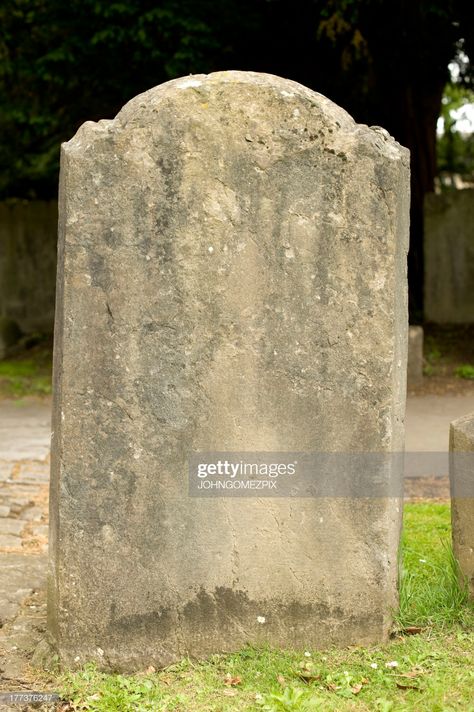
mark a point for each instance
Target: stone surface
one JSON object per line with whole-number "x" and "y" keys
{"x": 415, "y": 355}
{"x": 25, "y": 431}
{"x": 12, "y": 526}
{"x": 21, "y": 575}
{"x": 462, "y": 494}
{"x": 232, "y": 277}
{"x": 28, "y": 237}
{"x": 9, "y": 540}
{"x": 449, "y": 257}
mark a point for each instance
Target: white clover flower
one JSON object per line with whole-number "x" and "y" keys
{"x": 391, "y": 664}
{"x": 307, "y": 654}
{"x": 260, "y": 619}
{"x": 374, "y": 666}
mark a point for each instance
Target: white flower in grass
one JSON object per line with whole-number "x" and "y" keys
{"x": 260, "y": 619}
{"x": 391, "y": 664}
{"x": 374, "y": 666}
{"x": 422, "y": 561}
{"x": 307, "y": 654}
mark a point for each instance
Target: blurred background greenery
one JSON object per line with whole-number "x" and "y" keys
{"x": 400, "y": 64}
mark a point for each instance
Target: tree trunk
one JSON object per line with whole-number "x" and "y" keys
{"x": 411, "y": 116}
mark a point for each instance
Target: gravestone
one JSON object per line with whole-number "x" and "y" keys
{"x": 461, "y": 474}
{"x": 232, "y": 279}
{"x": 449, "y": 257}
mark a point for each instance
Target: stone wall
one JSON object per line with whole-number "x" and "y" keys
{"x": 449, "y": 257}
{"x": 28, "y": 236}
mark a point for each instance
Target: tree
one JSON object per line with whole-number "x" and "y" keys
{"x": 63, "y": 63}
{"x": 385, "y": 61}
{"x": 396, "y": 56}
{"x": 455, "y": 149}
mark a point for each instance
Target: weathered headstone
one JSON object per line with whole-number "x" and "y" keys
{"x": 232, "y": 278}
{"x": 461, "y": 473}
{"x": 449, "y": 257}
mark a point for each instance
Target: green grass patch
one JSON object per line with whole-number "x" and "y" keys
{"x": 29, "y": 374}
{"x": 431, "y": 591}
{"x": 429, "y": 672}
{"x": 465, "y": 371}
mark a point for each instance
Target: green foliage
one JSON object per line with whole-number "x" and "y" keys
{"x": 64, "y": 63}
{"x": 93, "y": 690}
{"x": 290, "y": 699}
{"x": 433, "y": 356}
{"x": 27, "y": 375}
{"x": 431, "y": 586}
{"x": 455, "y": 150}
{"x": 17, "y": 369}
{"x": 465, "y": 371}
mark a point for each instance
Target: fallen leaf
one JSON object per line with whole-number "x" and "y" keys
{"x": 281, "y": 680}
{"x": 365, "y": 681}
{"x": 232, "y": 681}
{"x": 150, "y": 670}
{"x": 412, "y": 673}
{"x": 412, "y": 630}
{"x": 356, "y": 689}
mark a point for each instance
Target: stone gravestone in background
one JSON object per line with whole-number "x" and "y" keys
{"x": 231, "y": 278}
{"x": 449, "y": 257}
{"x": 461, "y": 474}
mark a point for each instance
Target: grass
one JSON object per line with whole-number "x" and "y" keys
{"x": 448, "y": 350}
{"x": 27, "y": 374}
{"x": 465, "y": 371}
{"x": 430, "y": 588}
{"x": 430, "y": 671}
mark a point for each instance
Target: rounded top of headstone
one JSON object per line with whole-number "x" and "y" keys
{"x": 289, "y": 109}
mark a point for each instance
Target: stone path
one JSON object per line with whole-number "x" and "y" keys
{"x": 428, "y": 418}
{"x": 427, "y": 421}
{"x": 24, "y": 477}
